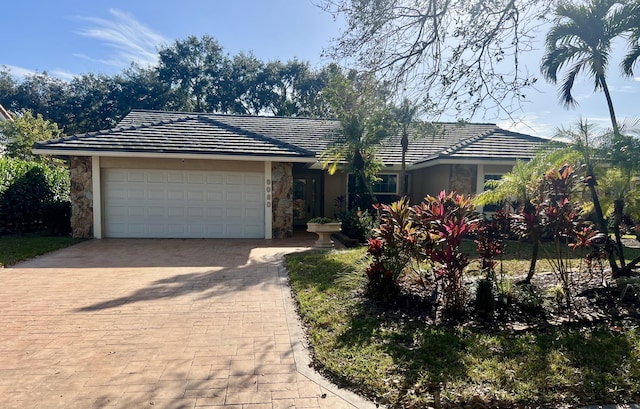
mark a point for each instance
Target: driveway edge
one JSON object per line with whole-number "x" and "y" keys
{"x": 301, "y": 354}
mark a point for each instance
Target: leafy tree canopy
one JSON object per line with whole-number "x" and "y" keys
{"x": 194, "y": 74}
{"x": 25, "y": 130}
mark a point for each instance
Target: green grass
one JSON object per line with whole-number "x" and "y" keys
{"x": 15, "y": 248}
{"x": 403, "y": 362}
{"x": 517, "y": 256}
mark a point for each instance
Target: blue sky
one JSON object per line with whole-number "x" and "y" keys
{"x": 71, "y": 37}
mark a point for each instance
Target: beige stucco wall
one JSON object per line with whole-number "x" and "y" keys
{"x": 334, "y": 185}
{"x": 429, "y": 181}
{"x": 181, "y": 164}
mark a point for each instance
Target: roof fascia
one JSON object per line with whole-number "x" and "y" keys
{"x": 436, "y": 162}
{"x": 244, "y": 158}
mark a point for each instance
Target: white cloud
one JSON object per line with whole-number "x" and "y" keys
{"x": 19, "y": 72}
{"x": 530, "y": 124}
{"x": 63, "y": 75}
{"x": 131, "y": 40}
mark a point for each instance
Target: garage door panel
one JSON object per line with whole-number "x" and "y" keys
{"x": 253, "y": 197}
{"x": 215, "y": 196}
{"x": 135, "y": 194}
{"x": 213, "y": 212}
{"x": 156, "y": 177}
{"x": 234, "y": 230}
{"x": 215, "y": 179}
{"x": 215, "y": 230}
{"x": 254, "y": 180}
{"x": 174, "y": 212}
{"x": 183, "y": 204}
{"x": 252, "y": 213}
{"x": 231, "y": 213}
{"x": 195, "y": 195}
{"x": 234, "y": 197}
{"x": 156, "y": 229}
{"x": 115, "y": 176}
{"x": 195, "y": 212}
{"x": 175, "y": 177}
{"x": 136, "y": 211}
{"x": 156, "y": 211}
{"x": 155, "y": 194}
{"x": 136, "y": 176}
{"x": 175, "y": 195}
{"x": 195, "y": 178}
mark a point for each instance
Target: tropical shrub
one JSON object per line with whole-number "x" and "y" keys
{"x": 393, "y": 246}
{"x": 446, "y": 220}
{"x": 490, "y": 239}
{"x": 426, "y": 238}
{"x": 356, "y": 224}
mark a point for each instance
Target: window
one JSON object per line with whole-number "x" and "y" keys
{"x": 386, "y": 189}
{"x": 491, "y": 208}
{"x": 388, "y": 184}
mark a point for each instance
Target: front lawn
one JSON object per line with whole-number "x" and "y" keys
{"x": 19, "y": 247}
{"x": 405, "y": 361}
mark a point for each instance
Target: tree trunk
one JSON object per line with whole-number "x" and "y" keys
{"x": 618, "y": 212}
{"x": 534, "y": 259}
{"x": 405, "y": 147}
{"x": 612, "y": 114}
{"x": 591, "y": 184}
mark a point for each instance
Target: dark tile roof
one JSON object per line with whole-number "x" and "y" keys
{"x": 203, "y": 133}
{"x": 178, "y": 133}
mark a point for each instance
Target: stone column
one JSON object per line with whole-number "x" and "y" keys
{"x": 81, "y": 197}
{"x": 282, "y": 204}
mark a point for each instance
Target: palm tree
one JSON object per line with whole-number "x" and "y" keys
{"x": 580, "y": 40}
{"x": 359, "y": 102}
{"x": 633, "y": 54}
{"x": 405, "y": 115}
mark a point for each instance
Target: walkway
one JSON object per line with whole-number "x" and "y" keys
{"x": 157, "y": 323}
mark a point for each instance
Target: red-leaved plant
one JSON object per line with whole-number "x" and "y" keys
{"x": 446, "y": 220}
{"x": 392, "y": 247}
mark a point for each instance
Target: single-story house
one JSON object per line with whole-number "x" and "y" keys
{"x": 196, "y": 175}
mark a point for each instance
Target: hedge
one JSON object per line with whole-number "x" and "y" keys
{"x": 28, "y": 188}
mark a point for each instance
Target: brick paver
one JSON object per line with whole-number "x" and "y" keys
{"x": 156, "y": 323}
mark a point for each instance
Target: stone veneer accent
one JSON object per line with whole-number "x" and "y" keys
{"x": 81, "y": 196}
{"x": 463, "y": 179}
{"x": 282, "y": 204}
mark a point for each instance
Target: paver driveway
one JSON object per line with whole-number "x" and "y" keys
{"x": 155, "y": 323}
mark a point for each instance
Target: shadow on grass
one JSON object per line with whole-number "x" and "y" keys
{"x": 404, "y": 362}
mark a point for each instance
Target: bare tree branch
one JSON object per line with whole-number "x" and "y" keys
{"x": 463, "y": 56}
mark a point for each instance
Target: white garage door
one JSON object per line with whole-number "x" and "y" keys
{"x": 183, "y": 204}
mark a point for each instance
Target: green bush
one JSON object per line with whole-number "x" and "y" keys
{"x": 24, "y": 188}
{"x": 357, "y": 224}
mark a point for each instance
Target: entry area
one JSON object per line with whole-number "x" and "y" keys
{"x": 307, "y": 197}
